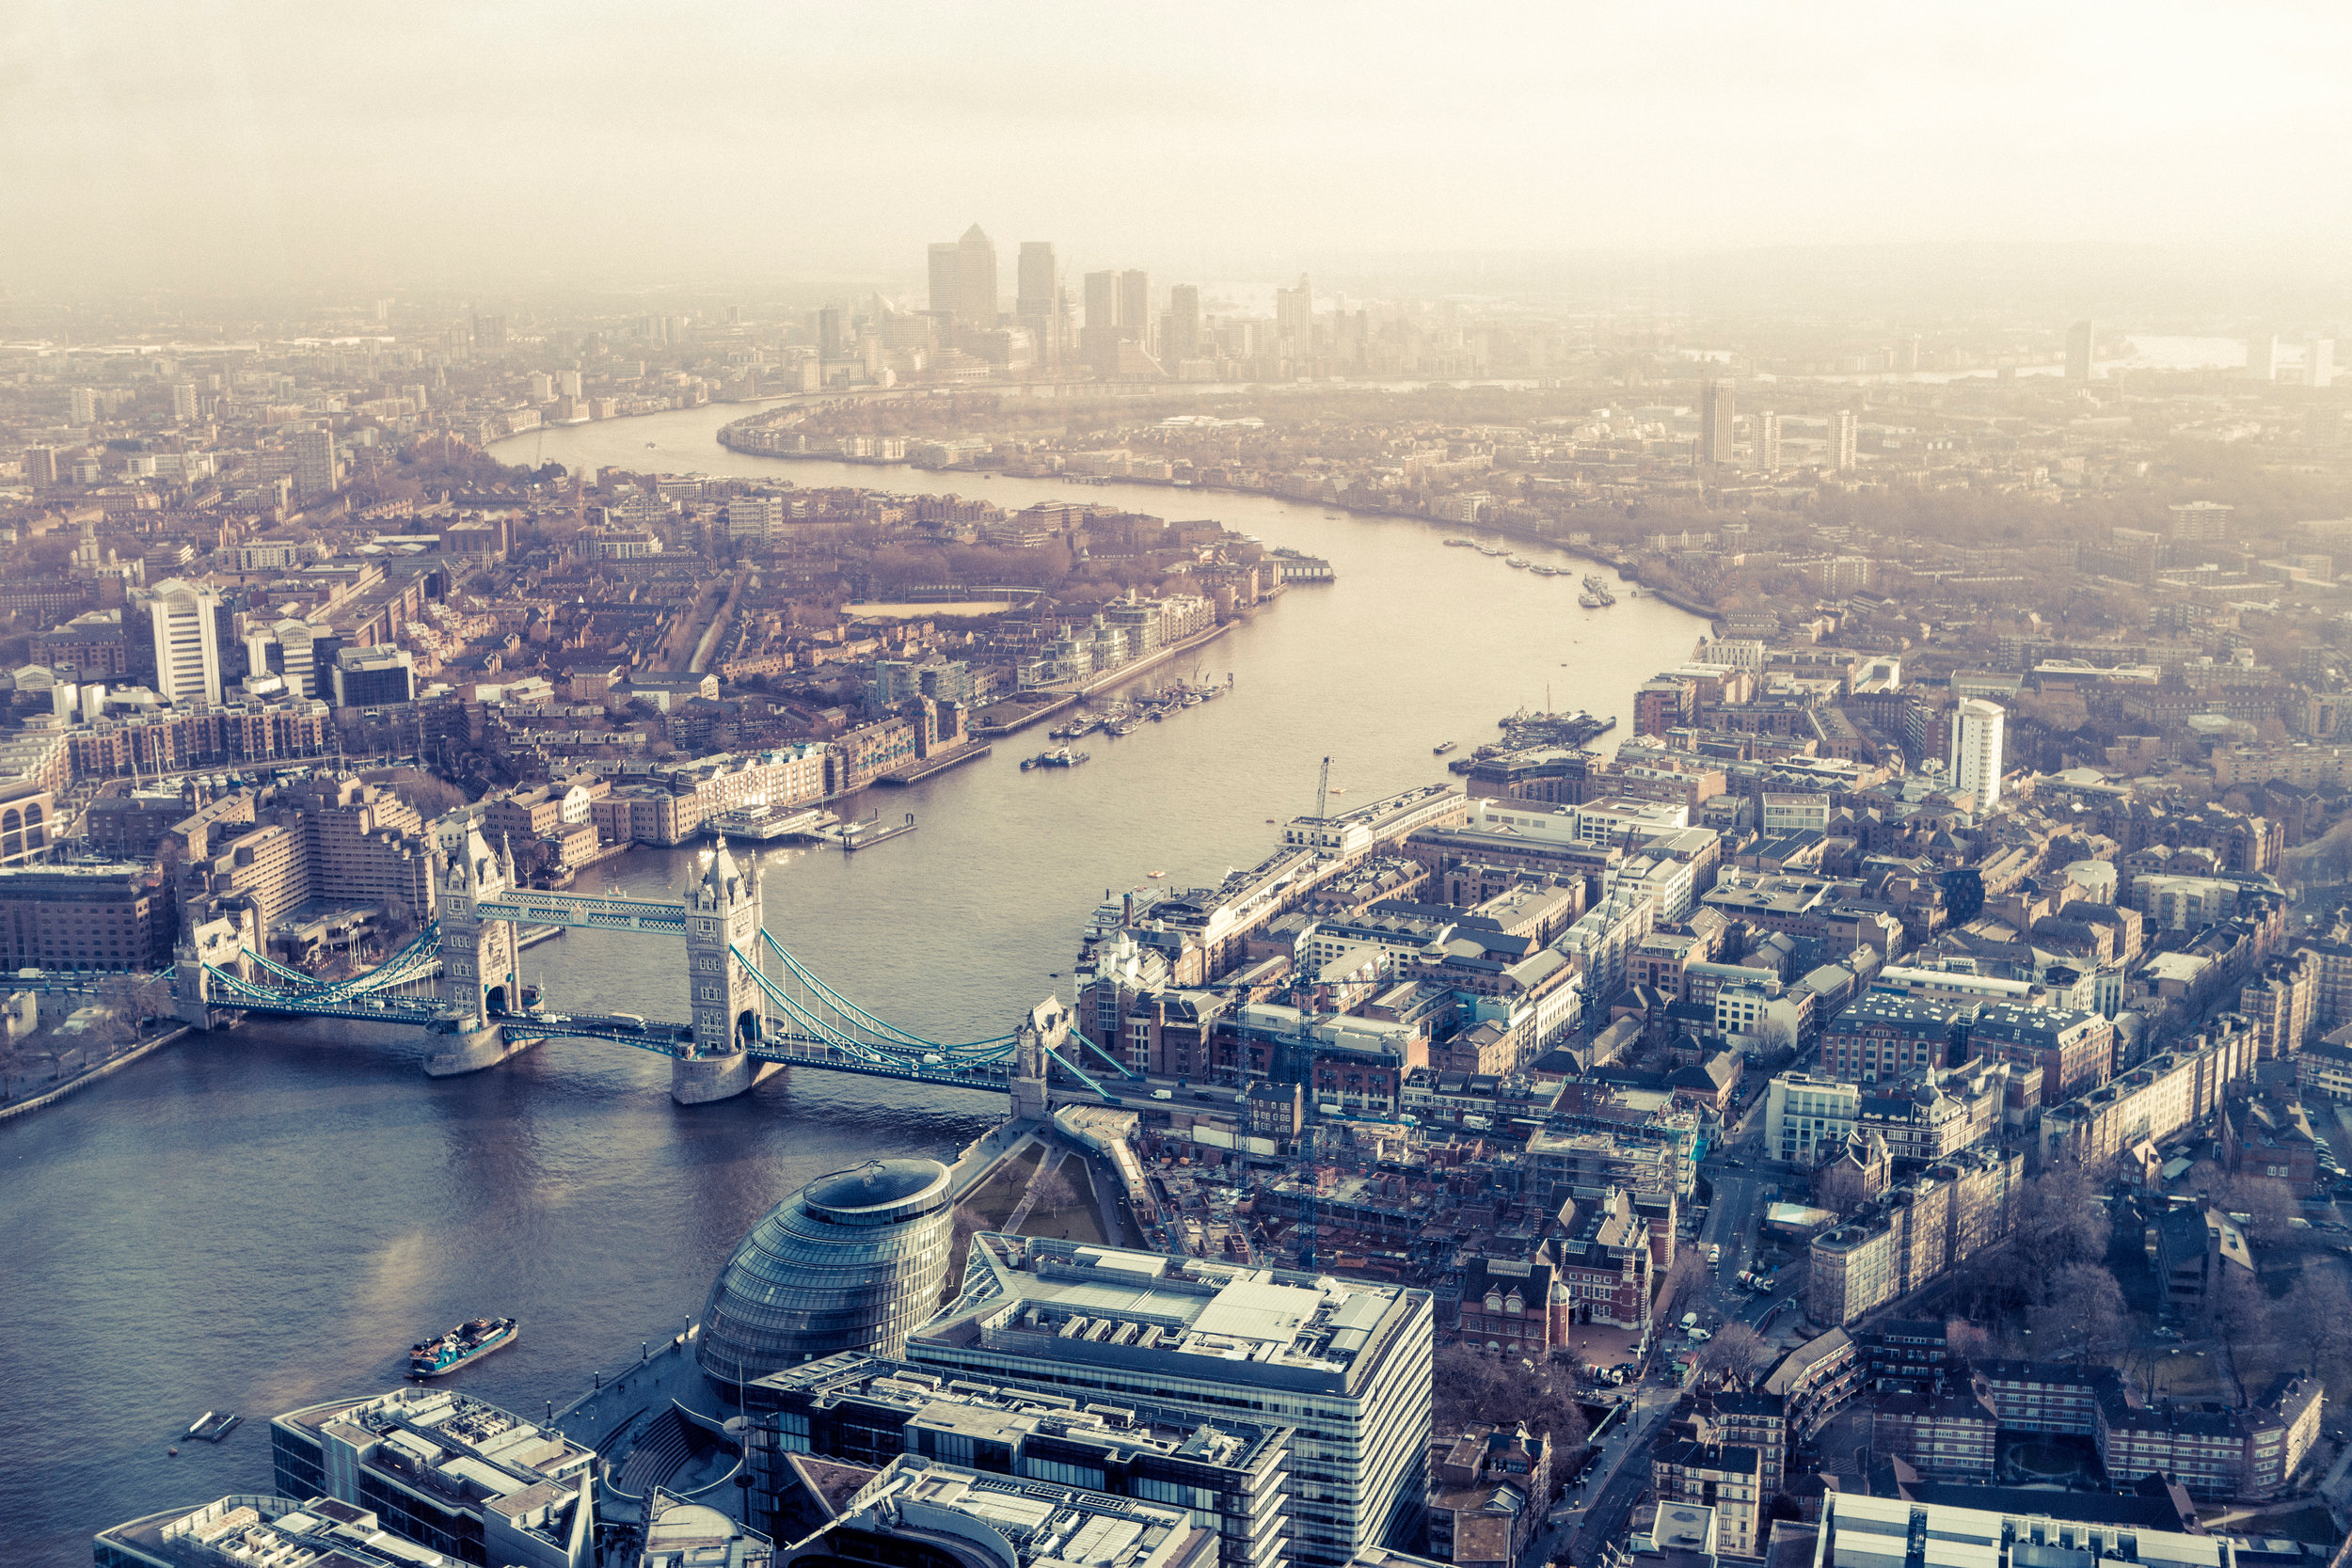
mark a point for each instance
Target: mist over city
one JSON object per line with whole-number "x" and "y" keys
{"x": 1067, "y": 787}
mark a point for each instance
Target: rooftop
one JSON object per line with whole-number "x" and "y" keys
{"x": 1144, "y": 1310}
{"x": 254, "y": 1528}
{"x": 976, "y": 1408}
{"x": 989, "y": 1521}
{"x": 472, "y": 1453}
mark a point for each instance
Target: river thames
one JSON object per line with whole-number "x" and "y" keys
{"x": 267, "y": 1217}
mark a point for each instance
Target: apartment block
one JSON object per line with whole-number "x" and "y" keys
{"x": 1911, "y": 1234}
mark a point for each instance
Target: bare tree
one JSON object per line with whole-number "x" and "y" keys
{"x": 2059, "y": 1220}
{"x": 2319, "y": 1310}
{"x": 1969, "y": 1342}
{"x": 1737, "y": 1353}
{"x": 1471, "y": 1388}
{"x": 1686, "y": 1281}
{"x": 1054, "y": 1189}
{"x": 2267, "y": 1203}
{"x": 2241, "y": 1316}
{"x": 1776, "y": 1044}
{"x": 2084, "y": 1318}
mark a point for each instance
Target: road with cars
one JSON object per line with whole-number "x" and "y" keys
{"x": 1597, "y": 1513}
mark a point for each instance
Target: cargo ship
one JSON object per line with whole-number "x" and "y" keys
{"x": 468, "y": 1341}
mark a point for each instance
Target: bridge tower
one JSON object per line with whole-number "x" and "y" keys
{"x": 223, "y": 943}
{"x": 477, "y": 954}
{"x": 722, "y": 919}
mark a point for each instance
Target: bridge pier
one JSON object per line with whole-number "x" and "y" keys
{"x": 470, "y": 1051}
{"x": 701, "y": 1080}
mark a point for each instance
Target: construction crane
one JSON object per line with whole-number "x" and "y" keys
{"x": 1322, "y": 790}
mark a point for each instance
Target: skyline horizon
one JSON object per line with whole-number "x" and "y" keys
{"x": 237, "y": 147}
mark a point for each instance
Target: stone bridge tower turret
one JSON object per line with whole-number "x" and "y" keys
{"x": 477, "y": 954}
{"x": 723, "y": 920}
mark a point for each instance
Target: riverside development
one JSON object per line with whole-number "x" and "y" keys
{"x": 1504, "y": 1081}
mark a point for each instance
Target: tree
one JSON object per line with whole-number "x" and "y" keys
{"x": 1688, "y": 1280}
{"x": 2084, "y": 1318}
{"x": 2319, "y": 1307}
{"x": 2059, "y": 1222}
{"x": 428, "y": 796}
{"x": 1471, "y": 1388}
{"x": 1053, "y": 1189}
{"x": 1776, "y": 1044}
{"x": 2267, "y": 1203}
{"x": 1737, "y": 1353}
{"x": 1968, "y": 1341}
{"x": 2241, "y": 1316}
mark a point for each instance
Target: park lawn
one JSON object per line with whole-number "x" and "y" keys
{"x": 1079, "y": 1220}
{"x": 1001, "y": 1193}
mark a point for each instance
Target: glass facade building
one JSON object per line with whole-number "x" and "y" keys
{"x": 852, "y": 1261}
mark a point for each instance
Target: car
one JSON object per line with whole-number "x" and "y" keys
{"x": 2166, "y": 1331}
{"x": 1714, "y": 1256}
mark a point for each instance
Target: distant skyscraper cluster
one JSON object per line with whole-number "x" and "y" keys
{"x": 1108, "y": 322}
{"x": 2266, "y": 359}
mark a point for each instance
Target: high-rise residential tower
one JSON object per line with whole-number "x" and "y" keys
{"x": 1844, "y": 428}
{"x": 1715, "y": 422}
{"x": 1976, "y": 749}
{"x": 2081, "y": 363}
{"x": 314, "y": 460}
{"x": 2262, "y": 356}
{"x": 1768, "y": 441}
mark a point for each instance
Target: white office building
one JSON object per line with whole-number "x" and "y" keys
{"x": 183, "y": 625}
{"x": 1806, "y": 1117}
{"x": 1976, "y": 751}
{"x": 1344, "y": 1365}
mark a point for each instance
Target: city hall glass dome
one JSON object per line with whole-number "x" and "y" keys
{"x": 852, "y": 1261}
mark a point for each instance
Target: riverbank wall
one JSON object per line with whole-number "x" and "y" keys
{"x": 1508, "y": 527}
{"x": 1104, "y": 682}
{"x": 25, "y": 1107}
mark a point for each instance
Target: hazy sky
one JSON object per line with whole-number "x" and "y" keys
{"x": 208, "y": 141}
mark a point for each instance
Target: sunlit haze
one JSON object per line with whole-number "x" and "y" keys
{"x": 244, "y": 144}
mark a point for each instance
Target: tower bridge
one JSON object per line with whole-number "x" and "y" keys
{"x": 751, "y": 1002}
